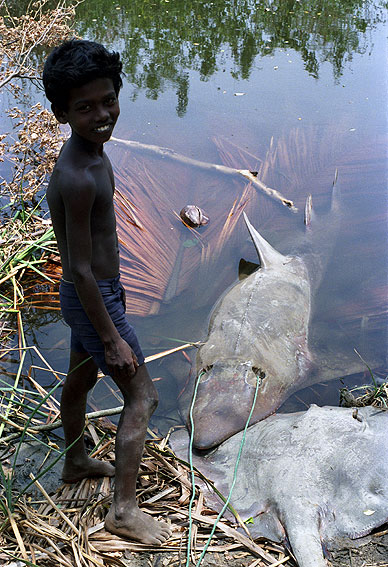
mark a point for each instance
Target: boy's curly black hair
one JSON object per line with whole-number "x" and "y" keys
{"x": 73, "y": 64}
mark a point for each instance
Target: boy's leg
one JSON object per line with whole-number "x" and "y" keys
{"x": 124, "y": 517}
{"x": 81, "y": 378}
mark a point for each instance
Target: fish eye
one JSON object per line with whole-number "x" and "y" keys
{"x": 203, "y": 375}
{"x": 258, "y": 372}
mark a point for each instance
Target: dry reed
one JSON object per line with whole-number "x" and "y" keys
{"x": 67, "y": 527}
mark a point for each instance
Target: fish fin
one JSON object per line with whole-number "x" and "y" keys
{"x": 246, "y": 268}
{"x": 267, "y": 254}
{"x": 266, "y": 525}
{"x": 335, "y": 194}
{"x": 306, "y": 545}
{"x": 318, "y": 242}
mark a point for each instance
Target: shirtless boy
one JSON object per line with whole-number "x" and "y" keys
{"x": 82, "y": 80}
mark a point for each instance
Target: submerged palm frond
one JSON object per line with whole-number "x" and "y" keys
{"x": 160, "y": 255}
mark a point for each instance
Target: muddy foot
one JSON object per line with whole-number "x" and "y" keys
{"x": 88, "y": 469}
{"x": 137, "y": 525}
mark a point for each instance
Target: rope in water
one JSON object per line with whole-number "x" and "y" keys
{"x": 258, "y": 382}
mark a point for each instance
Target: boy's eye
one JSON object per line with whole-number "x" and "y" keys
{"x": 111, "y": 100}
{"x": 84, "y": 108}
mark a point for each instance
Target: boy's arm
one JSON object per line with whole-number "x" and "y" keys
{"x": 78, "y": 203}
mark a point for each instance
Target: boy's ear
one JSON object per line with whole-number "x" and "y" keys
{"x": 60, "y": 114}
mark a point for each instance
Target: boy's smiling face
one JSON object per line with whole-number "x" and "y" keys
{"x": 92, "y": 110}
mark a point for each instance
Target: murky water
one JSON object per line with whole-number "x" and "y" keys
{"x": 293, "y": 90}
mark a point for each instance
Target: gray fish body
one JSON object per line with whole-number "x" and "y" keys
{"x": 259, "y": 334}
{"x": 311, "y": 480}
{"x": 258, "y": 330}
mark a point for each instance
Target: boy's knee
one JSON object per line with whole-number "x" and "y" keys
{"x": 148, "y": 392}
{"x": 144, "y": 406}
{"x": 140, "y": 394}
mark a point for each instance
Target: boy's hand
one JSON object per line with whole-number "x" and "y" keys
{"x": 121, "y": 360}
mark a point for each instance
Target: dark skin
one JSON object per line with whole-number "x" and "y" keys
{"x": 80, "y": 197}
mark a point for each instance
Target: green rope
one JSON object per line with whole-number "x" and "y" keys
{"x": 258, "y": 382}
{"x": 191, "y": 466}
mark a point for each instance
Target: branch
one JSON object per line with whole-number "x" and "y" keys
{"x": 58, "y": 423}
{"x": 17, "y": 75}
{"x": 250, "y": 175}
{"x": 94, "y": 414}
{"x": 9, "y": 78}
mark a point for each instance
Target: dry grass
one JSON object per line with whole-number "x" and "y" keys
{"x": 30, "y": 150}
{"x": 361, "y": 396}
{"x": 67, "y": 528}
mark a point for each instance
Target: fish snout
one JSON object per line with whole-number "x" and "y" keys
{"x": 223, "y": 401}
{"x": 215, "y": 429}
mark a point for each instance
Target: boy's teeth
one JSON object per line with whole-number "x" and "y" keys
{"x": 103, "y": 128}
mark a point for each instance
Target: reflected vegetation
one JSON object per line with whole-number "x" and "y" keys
{"x": 162, "y": 41}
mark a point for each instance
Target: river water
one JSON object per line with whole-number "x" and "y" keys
{"x": 294, "y": 90}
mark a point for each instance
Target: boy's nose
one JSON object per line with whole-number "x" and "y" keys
{"x": 102, "y": 114}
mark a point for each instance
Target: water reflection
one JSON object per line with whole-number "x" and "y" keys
{"x": 162, "y": 41}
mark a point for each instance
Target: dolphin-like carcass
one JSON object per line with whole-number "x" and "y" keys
{"x": 259, "y": 337}
{"x": 312, "y": 480}
{"x": 259, "y": 330}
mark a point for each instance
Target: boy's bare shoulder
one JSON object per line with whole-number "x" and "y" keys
{"x": 71, "y": 180}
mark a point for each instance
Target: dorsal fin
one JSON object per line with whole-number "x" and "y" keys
{"x": 268, "y": 256}
{"x": 246, "y": 268}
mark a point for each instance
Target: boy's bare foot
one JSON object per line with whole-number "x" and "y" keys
{"x": 135, "y": 524}
{"x": 73, "y": 472}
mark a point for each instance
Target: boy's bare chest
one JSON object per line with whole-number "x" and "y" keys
{"x": 102, "y": 215}
{"x": 103, "y": 200}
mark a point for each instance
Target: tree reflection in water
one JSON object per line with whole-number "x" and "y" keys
{"x": 162, "y": 41}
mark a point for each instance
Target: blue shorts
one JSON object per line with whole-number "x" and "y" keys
{"x": 84, "y": 338}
